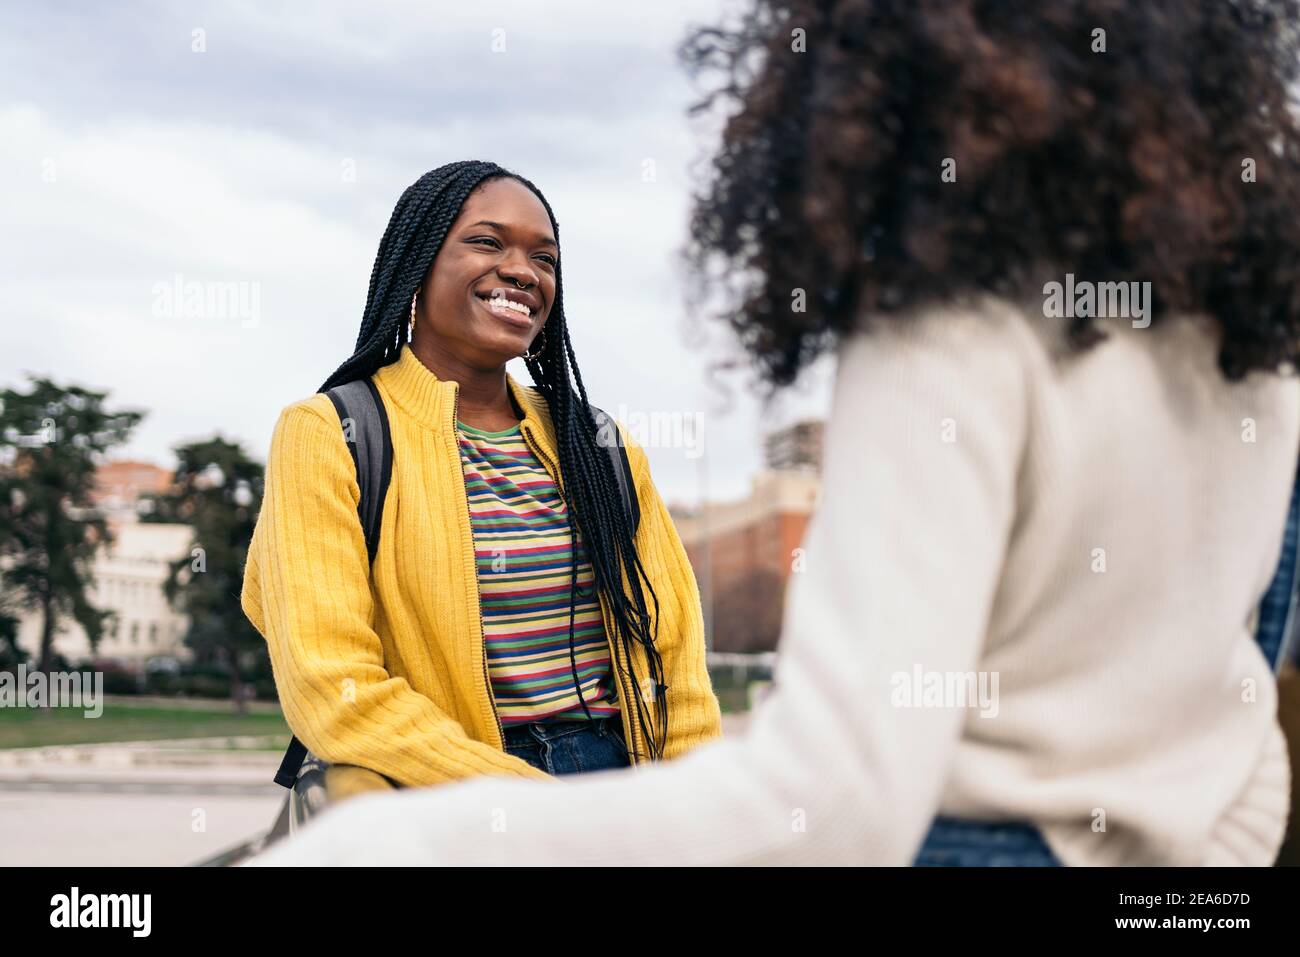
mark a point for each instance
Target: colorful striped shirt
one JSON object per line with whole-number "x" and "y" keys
{"x": 521, "y": 547}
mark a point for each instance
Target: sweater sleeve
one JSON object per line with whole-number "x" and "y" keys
{"x": 307, "y": 591}
{"x": 902, "y": 564}
{"x": 694, "y": 714}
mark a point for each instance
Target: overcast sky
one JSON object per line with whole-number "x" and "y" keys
{"x": 274, "y": 158}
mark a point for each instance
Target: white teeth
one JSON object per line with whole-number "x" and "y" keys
{"x": 509, "y": 304}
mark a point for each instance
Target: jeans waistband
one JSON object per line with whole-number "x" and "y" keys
{"x": 956, "y": 842}
{"x": 547, "y": 730}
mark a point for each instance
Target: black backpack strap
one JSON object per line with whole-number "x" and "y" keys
{"x": 365, "y": 430}
{"x": 290, "y": 764}
{"x": 608, "y": 435}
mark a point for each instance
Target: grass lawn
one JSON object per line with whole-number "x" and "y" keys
{"x": 30, "y": 727}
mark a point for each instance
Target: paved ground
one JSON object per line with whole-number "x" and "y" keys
{"x": 139, "y": 804}
{"x": 125, "y": 828}
{"x": 143, "y": 803}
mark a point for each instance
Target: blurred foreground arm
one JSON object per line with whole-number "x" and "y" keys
{"x": 903, "y": 559}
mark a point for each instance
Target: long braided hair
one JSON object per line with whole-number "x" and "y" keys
{"x": 588, "y": 486}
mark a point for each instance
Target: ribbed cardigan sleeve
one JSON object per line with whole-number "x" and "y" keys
{"x": 903, "y": 560}
{"x": 694, "y": 714}
{"x": 307, "y": 591}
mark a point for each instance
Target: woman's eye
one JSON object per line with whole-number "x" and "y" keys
{"x": 496, "y": 244}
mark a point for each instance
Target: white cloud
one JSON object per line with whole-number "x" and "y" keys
{"x": 215, "y": 182}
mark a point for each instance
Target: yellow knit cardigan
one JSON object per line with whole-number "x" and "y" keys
{"x": 384, "y": 667}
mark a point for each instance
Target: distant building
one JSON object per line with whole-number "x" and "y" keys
{"x": 120, "y": 487}
{"x": 744, "y": 552}
{"x": 798, "y": 447}
{"x": 127, "y": 577}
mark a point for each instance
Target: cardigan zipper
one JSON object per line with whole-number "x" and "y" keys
{"x": 482, "y": 629}
{"x": 618, "y": 676}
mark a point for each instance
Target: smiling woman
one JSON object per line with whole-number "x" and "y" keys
{"x": 515, "y": 620}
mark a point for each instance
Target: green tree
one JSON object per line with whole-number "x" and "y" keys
{"x": 10, "y": 653}
{"x": 217, "y": 491}
{"x": 52, "y": 439}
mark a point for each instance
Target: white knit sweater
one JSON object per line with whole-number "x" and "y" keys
{"x": 1093, "y": 530}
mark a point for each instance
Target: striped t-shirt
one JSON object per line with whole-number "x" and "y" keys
{"x": 521, "y": 548}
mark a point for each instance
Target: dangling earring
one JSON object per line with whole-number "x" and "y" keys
{"x": 410, "y": 331}
{"x": 533, "y": 355}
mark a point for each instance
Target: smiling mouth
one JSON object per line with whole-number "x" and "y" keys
{"x": 517, "y": 313}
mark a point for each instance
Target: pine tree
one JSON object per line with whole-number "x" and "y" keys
{"x": 52, "y": 439}
{"x": 217, "y": 491}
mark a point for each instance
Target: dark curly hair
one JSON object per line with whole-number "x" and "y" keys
{"x": 1123, "y": 165}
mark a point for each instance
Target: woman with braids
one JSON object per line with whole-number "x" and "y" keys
{"x": 512, "y": 621}
{"x": 1025, "y": 634}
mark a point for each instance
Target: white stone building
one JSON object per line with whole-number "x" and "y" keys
{"x": 128, "y": 580}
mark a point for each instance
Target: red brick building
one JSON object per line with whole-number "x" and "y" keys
{"x": 120, "y": 485}
{"x": 744, "y": 552}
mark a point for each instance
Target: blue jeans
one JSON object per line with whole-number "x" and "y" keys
{"x": 569, "y": 747}
{"x": 957, "y": 843}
